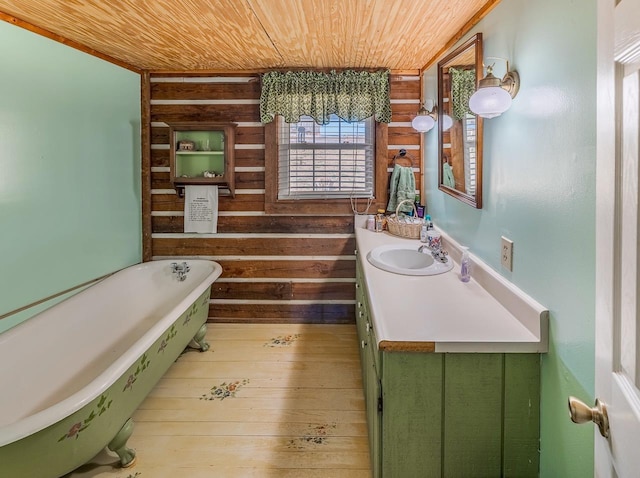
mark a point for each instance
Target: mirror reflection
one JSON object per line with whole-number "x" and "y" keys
{"x": 460, "y": 131}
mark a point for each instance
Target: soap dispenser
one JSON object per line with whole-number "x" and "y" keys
{"x": 465, "y": 265}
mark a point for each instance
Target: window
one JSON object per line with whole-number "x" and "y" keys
{"x": 329, "y": 161}
{"x": 330, "y": 203}
{"x": 469, "y": 138}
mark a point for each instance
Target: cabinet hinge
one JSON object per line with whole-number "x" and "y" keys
{"x": 380, "y": 404}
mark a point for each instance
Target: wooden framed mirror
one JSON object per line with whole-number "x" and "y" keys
{"x": 459, "y": 130}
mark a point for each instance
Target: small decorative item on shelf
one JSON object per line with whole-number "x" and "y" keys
{"x": 211, "y": 174}
{"x": 186, "y": 145}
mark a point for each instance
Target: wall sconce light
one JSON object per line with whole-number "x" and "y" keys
{"x": 447, "y": 122}
{"x": 425, "y": 120}
{"x": 493, "y": 96}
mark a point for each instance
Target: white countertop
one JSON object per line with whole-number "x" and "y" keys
{"x": 486, "y": 314}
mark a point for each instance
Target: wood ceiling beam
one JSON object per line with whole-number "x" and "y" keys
{"x": 265, "y": 70}
{"x": 473, "y": 21}
{"x": 65, "y": 41}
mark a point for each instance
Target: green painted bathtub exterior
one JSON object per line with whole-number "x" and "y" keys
{"x": 71, "y": 442}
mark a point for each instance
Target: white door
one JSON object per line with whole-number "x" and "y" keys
{"x": 617, "y": 236}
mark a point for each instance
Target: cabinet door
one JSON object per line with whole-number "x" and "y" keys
{"x": 412, "y": 415}
{"x": 460, "y": 415}
{"x": 374, "y": 415}
{"x": 362, "y": 321}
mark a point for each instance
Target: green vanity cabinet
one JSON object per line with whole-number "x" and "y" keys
{"x": 448, "y": 414}
{"x": 370, "y": 376}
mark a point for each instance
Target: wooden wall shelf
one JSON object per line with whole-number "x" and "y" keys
{"x": 202, "y": 153}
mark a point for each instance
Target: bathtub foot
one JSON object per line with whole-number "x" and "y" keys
{"x": 119, "y": 445}
{"x": 199, "y": 341}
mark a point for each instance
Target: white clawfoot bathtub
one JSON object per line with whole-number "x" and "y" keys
{"x": 71, "y": 376}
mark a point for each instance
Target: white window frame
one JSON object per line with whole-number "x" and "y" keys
{"x": 307, "y": 169}
{"x": 469, "y": 134}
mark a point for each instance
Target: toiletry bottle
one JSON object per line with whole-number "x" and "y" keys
{"x": 371, "y": 222}
{"x": 383, "y": 220}
{"x": 423, "y": 233}
{"x": 434, "y": 240}
{"x": 378, "y": 222}
{"x": 419, "y": 207}
{"x": 465, "y": 265}
{"x": 427, "y": 220}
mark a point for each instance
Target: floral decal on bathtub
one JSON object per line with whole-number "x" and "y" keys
{"x": 192, "y": 311}
{"x": 170, "y": 335}
{"x": 224, "y": 390}
{"x": 102, "y": 406}
{"x": 142, "y": 366}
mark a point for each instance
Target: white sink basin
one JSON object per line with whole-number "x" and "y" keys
{"x": 401, "y": 259}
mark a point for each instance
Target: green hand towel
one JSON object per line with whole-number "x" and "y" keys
{"x": 402, "y": 186}
{"x": 447, "y": 176}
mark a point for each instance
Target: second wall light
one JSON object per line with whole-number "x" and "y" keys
{"x": 493, "y": 96}
{"x": 425, "y": 120}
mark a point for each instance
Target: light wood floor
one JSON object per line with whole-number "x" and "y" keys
{"x": 267, "y": 400}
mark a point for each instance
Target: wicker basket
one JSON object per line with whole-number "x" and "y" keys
{"x": 397, "y": 228}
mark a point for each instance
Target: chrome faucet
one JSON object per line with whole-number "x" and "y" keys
{"x": 180, "y": 270}
{"x": 439, "y": 254}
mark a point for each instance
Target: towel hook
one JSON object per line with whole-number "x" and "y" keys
{"x": 403, "y": 159}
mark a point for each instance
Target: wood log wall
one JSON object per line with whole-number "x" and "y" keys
{"x": 276, "y": 268}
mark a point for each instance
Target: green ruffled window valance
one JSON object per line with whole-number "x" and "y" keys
{"x": 352, "y": 95}
{"x": 463, "y": 85}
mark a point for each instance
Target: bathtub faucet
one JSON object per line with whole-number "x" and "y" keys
{"x": 180, "y": 270}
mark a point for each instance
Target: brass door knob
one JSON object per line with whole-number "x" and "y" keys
{"x": 582, "y": 413}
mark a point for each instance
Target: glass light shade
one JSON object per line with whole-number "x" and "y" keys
{"x": 447, "y": 122}
{"x": 423, "y": 123}
{"x": 490, "y": 101}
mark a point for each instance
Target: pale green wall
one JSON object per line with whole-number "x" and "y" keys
{"x": 539, "y": 191}
{"x": 69, "y": 168}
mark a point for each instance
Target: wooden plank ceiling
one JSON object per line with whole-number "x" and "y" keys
{"x": 219, "y": 35}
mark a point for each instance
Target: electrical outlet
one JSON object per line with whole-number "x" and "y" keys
{"x": 506, "y": 253}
